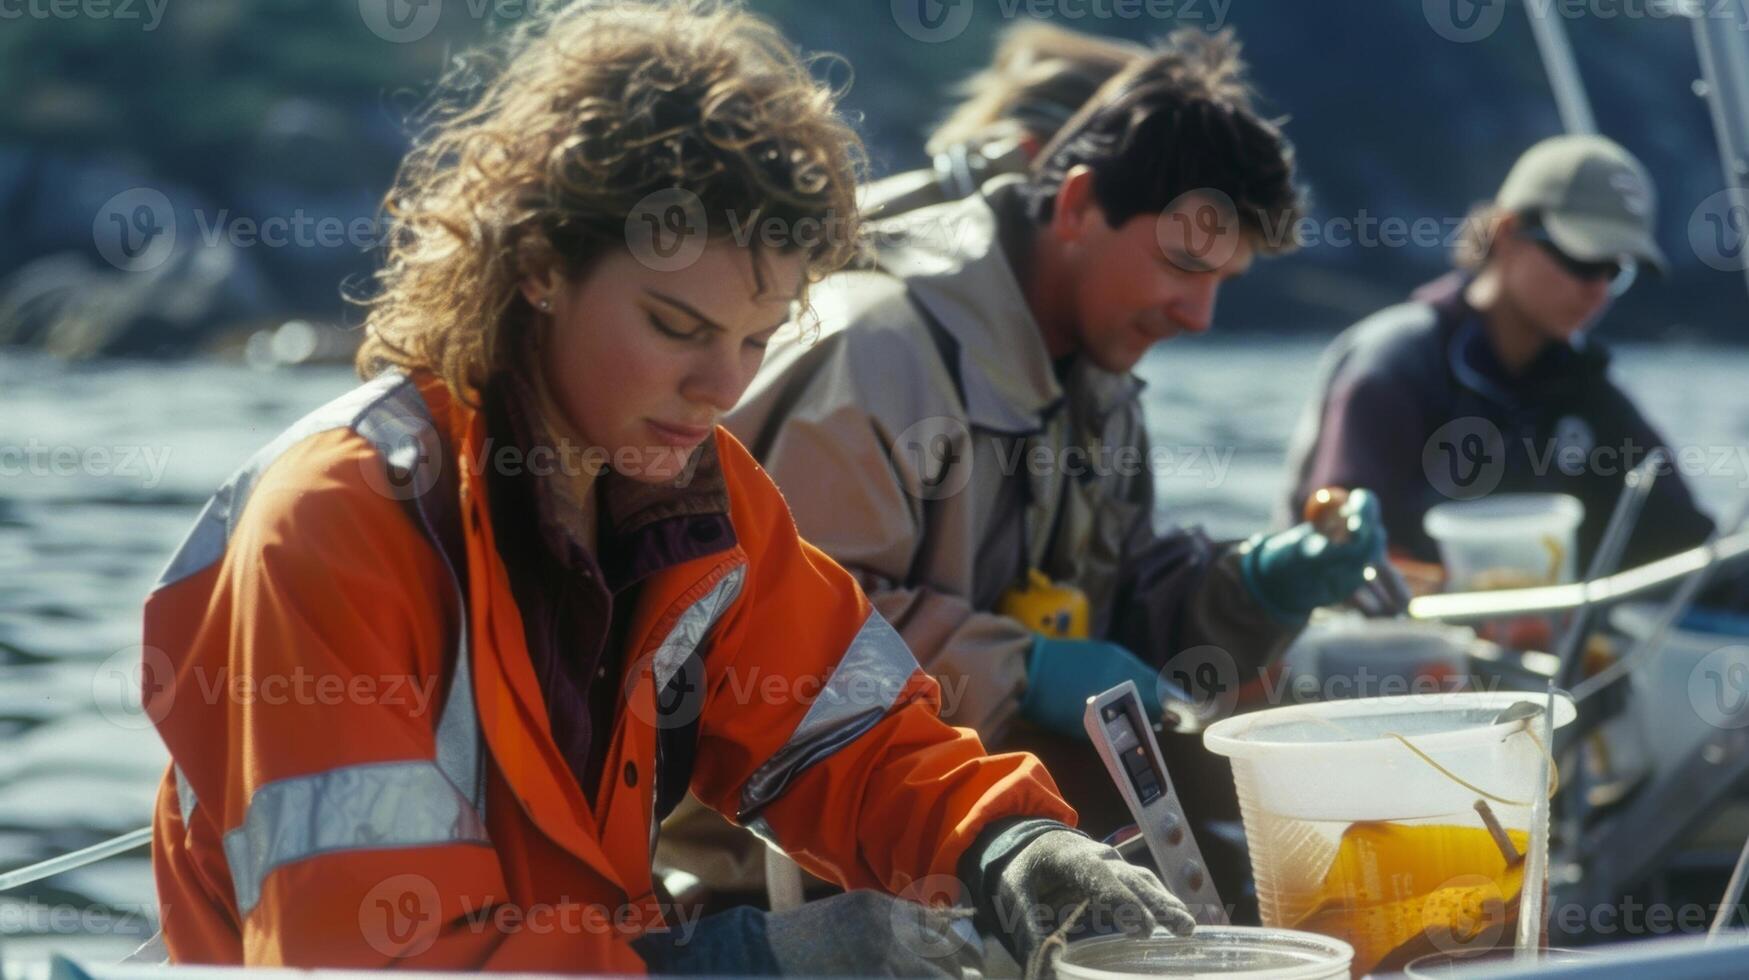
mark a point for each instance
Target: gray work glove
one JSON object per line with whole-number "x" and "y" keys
{"x": 868, "y": 934}
{"x": 1046, "y": 877}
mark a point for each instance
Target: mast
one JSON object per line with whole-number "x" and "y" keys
{"x": 1557, "y": 55}
{"x": 1723, "y": 45}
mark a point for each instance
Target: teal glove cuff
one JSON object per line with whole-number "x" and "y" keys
{"x": 1063, "y": 674}
{"x": 1297, "y": 570}
{"x": 1250, "y": 555}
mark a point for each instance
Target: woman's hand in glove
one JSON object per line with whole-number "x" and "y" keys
{"x": 1059, "y": 877}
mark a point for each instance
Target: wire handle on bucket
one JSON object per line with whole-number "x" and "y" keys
{"x": 1547, "y": 751}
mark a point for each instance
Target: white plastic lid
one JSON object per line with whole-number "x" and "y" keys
{"x": 1505, "y": 515}
{"x": 1436, "y": 722}
{"x": 1212, "y": 951}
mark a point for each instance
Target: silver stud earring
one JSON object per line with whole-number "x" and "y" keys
{"x": 546, "y": 305}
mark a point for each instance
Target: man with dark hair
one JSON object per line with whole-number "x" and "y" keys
{"x": 963, "y": 432}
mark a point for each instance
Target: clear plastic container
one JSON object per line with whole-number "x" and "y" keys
{"x": 1363, "y": 824}
{"x": 1510, "y": 540}
{"x": 1214, "y": 951}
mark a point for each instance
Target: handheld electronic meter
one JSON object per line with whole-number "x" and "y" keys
{"x": 1120, "y": 732}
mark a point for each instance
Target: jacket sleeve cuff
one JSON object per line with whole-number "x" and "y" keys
{"x": 981, "y": 866}
{"x": 1246, "y": 554}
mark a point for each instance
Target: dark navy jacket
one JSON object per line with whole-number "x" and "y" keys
{"x": 1413, "y": 405}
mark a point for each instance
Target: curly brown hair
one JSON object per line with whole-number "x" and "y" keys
{"x": 536, "y": 151}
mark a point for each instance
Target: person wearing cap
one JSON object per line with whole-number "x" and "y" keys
{"x": 1488, "y": 380}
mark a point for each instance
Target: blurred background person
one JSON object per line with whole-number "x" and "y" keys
{"x": 1506, "y": 341}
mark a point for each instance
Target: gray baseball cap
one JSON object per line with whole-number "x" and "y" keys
{"x": 1597, "y": 202}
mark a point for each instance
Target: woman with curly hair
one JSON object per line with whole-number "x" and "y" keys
{"x": 433, "y": 664}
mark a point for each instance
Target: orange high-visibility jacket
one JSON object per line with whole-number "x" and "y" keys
{"x": 363, "y": 771}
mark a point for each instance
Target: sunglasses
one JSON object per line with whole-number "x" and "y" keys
{"x": 1619, "y": 273}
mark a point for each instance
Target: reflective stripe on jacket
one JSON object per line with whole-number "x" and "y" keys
{"x": 363, "y": 770}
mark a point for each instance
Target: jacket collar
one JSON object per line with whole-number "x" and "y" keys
{"x": 951, "y": 257}
{"x": 1553, "y": 375}
{"x": 642, "y": 528}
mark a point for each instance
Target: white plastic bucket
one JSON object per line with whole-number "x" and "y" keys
{"x": 1227, "y": 952}
{"x": 1305, "y": 774}
{"x": 1506, "y": 541}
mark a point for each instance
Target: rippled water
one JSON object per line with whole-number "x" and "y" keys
{"x": 103, "y": 467}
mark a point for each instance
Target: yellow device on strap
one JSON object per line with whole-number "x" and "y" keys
{"x": 1052, "y": 608}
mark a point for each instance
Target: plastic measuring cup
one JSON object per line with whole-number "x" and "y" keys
{"x": 1363, "y": 824}
{"x": 1213, "y": 951}
{"x": 1509, "y": 540}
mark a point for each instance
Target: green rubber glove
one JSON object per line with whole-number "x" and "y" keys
{"x": 1062, "y": 674}
{"x": 1295, "y": 571}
